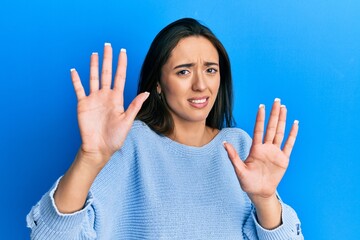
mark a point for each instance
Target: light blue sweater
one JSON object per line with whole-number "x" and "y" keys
{"x": 155, "y": 188}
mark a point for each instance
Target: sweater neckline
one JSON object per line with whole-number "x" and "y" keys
{"x": 215, "y": 143}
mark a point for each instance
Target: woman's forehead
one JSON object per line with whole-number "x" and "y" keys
{"x": 192, "y": 49}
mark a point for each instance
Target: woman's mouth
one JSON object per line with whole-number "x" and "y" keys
{"x": 199, "y": 102}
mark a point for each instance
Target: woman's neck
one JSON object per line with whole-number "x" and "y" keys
{"x": 193, "y": 134}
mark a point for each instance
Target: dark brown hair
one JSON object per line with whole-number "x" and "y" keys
{"x": 155, "y": 112}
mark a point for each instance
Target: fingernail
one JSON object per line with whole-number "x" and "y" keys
{"x": 94, "y": 53}
{"x": 261, "y": 106}
{"x": 107, "y": 44}
{"x": 147, "y": 93}
{"x": 72, "y": 69}
{"x": 277, "y": 100}
{"x": 283, "y": 106}
{"x": 223, "y": 143}
{"x": 296, "y": 122}
{"x": 123, "y": 50}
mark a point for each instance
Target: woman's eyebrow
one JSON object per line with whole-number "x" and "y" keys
{"x": 211, "y": 64}
{"x": 187, "y": 65}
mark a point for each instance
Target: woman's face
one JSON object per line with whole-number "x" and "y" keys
{"x": 190, "y": 79}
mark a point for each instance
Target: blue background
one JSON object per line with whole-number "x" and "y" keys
{"x": 305, "y": 52}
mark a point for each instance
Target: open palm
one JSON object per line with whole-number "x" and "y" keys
{"x": 262, "y": 171}
{"x": 103, "y": 121}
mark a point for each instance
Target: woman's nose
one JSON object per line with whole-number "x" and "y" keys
{"x": 199, "y": 83}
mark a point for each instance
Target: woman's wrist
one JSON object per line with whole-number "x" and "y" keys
{"x": 93, "y": 160}
{"x": 268, "y": 211}
{"x": 74, "y": 186}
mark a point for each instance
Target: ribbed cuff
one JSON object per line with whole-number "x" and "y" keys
{"x": 46, "y": 217}
{"x": 289, "y": 229}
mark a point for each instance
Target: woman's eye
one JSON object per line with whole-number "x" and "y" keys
{"x": 211, "y": 70}
{"x": 182, "y": 72}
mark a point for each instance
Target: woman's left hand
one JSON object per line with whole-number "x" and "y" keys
{"x": 262, "y": 171}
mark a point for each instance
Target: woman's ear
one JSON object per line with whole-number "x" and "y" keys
{"x": 158, "y": 88}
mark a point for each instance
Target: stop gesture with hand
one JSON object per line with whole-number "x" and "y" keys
{"x": 103, "y": 121}
{"x": 103, "y": 124}
{"x": 261, "y": 172}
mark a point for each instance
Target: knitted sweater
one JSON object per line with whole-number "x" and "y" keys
{"x": 156, "y": 188}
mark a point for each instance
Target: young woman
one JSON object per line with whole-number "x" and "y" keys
{"x": 177, "y": 171}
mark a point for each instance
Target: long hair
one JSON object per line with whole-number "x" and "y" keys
{"x": 155, "y": 112}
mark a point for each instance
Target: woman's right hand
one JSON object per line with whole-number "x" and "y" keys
{"x": 103, "y": 121}
{"x": 103, "y": 124}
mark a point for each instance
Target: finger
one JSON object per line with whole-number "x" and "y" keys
{"x": 106, "y": 72}
{"x": 78, "y": 87}
{"x": 238, "y": 164}
{"x": 94, "y": 72}
{"x": 273, "y": 121}
{"x": 259, "y": 125}
{"x": 289, "y": 144}
{"x": 120, "y": 75}
{"x": 280, "y": 131}
{"x": 135, "y": 105}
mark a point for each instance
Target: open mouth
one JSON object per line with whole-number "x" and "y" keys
{"x": 199, "y": 102}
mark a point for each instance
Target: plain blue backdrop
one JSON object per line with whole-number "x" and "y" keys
{"x": 305, "y": 52}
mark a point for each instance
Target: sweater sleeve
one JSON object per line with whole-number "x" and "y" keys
{"x": 289, "y": 229}
{"x": 46, "y": 222}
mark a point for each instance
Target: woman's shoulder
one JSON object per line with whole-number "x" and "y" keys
{"x": 235, "y": 133}
{"x": 239, "y": 138}
{"x": 139, "y": 125}
{"x": 141, "y": 131}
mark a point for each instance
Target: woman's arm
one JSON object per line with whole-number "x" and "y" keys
{"x": 262, "y": 171}
{"x": 73, "y": 188}
{"x": 103, "y": 127}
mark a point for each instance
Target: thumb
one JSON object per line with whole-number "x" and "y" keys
{"x": 135, "y": 105}
{"x": 238, "y": 164}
